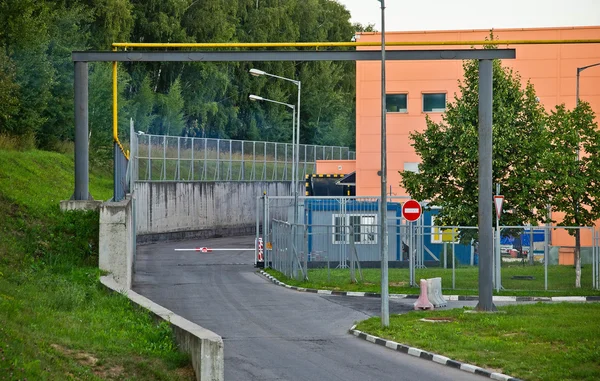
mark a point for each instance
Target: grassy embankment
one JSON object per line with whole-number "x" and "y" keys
{"x": 56, "y": 321}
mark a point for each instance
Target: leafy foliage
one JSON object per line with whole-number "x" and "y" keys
{"x": 572, "y": 176}
{"x": 449, "y": 170}
{"x": 194, "y": 99}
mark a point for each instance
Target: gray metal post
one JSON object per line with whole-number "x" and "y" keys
{"x": 218, "y": 167}
{"x": 274, "y": 176}
{"x": 593, "y": 259}
{"x": 81, "y": 133}
{"x": 351, "y": 237}
{"x": 445, "y": 255}
{"x": 494, "y": 269}
{"x": 546, "y": 258}
{"x": 264, "y": 172}
{"x": 486, "y": 237}
{"x": 253, "y": 176}
{"x": 546, "y": 249}
{"x": 243, "y": 169}
{"x": 411, "y": 255}
{"x": 178, "y": 176}
{"x": 163, "y": 175}
{"x": 454, "y": 264}
{"x": 257, "y": 229}
{"x": 385, "y": 311}
{"x": 205, "y": 169}
{"x": 265, "y": 225}
{"x": 192, "y": 162}
{"x": 497, "y": 253}
{"x": 305, "y": 252}
{"x": 149, "y": 158}
{"x": 530, "y": 244}
{"x": 230, "y": 171}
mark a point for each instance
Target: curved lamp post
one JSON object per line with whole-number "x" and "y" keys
{"x": 295, "y": 136}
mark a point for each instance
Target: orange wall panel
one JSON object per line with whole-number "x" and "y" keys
{"x": 330, "y": 167}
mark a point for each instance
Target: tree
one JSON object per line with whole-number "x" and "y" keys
{"x": 9, "y": 90}
{"x": 572, "y": 177}
{"x": 172, "y": 110}
{"x": 142, "y": 105}
{"x": 449, "y": 169}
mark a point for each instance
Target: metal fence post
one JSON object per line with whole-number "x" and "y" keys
{"x": 163, "y": 176}
{"x": 205, "y": 169}
{"x": 218, "y": 168}
{"x": 453, "y": 263}
{"x": 192, "y": 162}
{"x": 230, "y": 171}
{"x": 178, "y": 169}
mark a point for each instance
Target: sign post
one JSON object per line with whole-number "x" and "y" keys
{"x": 411, "y": 211}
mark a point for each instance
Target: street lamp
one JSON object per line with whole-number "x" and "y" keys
{"x": 579, "y": 70}
{"x": 293, "y": 107}
{"x": 295, "y": 133}
{"x": 295, "y": 137}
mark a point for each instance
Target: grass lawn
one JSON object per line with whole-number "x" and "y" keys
{"x": 56, "y": 320}
{"x": 544, "y": 341}
{"x": 561, "y": 280}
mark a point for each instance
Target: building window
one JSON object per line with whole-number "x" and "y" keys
{"x": 411, "y": 167}
{"x": 362, "y": 229}
{"x": 396, "y": 102}
{"x": 434, "y": 102}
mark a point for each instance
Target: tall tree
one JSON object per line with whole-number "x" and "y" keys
{"x": 172, "y": 110}
{"x": 9, "y": 91}
{"x": 142, "y": 106}
{"x": 574, "y": 176}
{"x": 449, "y": 160}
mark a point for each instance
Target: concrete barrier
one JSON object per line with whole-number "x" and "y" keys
{"x": 116, "y": 248}
{"x": 434, "y": 292}
{"x": 423, "y": 302}
{"x": 204, "y": 347}
{"x": 115, "y": 245}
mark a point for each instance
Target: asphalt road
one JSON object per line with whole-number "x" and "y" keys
{"x": 270, "y": 332}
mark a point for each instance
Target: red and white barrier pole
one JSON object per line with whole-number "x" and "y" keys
{"x": 209, "y": 250}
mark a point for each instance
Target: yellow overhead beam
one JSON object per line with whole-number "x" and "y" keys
{"x": 344, "y": 44}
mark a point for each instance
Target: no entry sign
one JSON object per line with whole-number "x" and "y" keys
{"x": 411, "y": 210}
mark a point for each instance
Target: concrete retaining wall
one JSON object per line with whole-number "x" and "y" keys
{"x": 116, "y": 257}
{"x": 178, "y": 210}
{"x": 204, "y": 347}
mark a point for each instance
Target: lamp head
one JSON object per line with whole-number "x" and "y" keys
{"x": 256, "y": 72}
{"x": 255, "y": 97}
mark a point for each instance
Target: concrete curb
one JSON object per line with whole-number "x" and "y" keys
{"x": 496, "y": 298}
{"x": 204, "y": 347}
{"x": 430, "y": 356}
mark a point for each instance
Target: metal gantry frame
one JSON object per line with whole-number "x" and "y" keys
{"x": 485, "y": 57}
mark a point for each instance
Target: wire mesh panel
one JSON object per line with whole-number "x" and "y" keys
{"x": 172, "y": 158}
{"x": 121, "y": 183}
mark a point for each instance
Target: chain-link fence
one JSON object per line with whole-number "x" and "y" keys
{"x": 171, "y": 158}
{"x": 337, "y": 235}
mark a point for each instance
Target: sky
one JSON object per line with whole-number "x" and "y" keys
{"x": 418, "y": 15}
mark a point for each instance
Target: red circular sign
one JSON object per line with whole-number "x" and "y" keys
{"x": 411, "y": 210}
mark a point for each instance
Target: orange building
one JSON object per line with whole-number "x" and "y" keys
{"x": 419, "y": 88}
